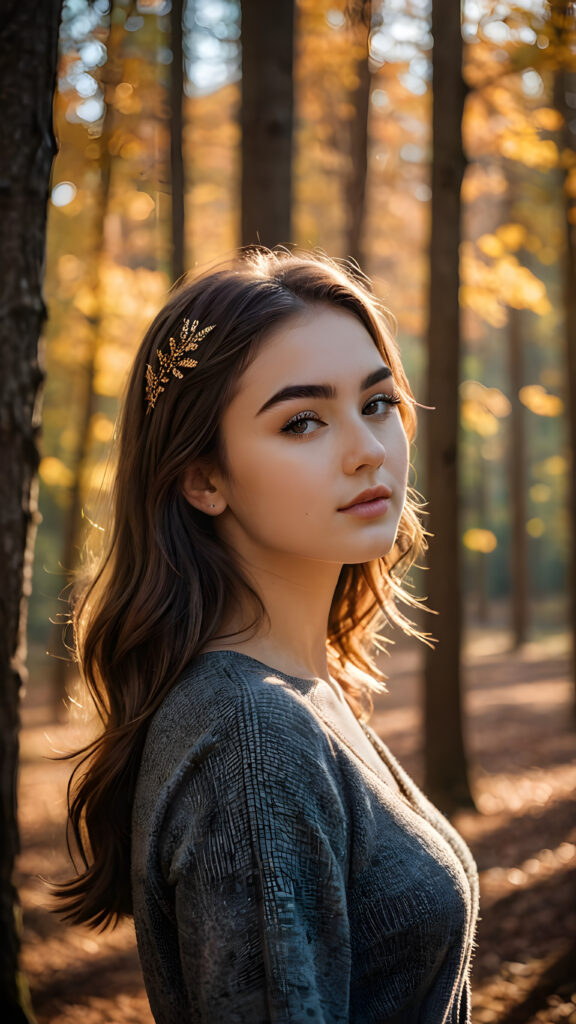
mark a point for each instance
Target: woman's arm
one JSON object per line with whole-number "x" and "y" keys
{"x": 257, "y": 856}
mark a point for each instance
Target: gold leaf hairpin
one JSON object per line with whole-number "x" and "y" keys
{"x": 173, "y": 361}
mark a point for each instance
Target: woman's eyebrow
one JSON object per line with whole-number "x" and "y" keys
{"x": 321, "y": 390}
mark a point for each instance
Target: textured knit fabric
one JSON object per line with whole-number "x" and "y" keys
{"x": 285, "y": 868}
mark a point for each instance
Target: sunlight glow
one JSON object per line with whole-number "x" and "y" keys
{"x": 483, "y": 541}
{"x": 335, "y": 18}
{"x": 532, "y": 84}
{"x": 93, "y": 54}
{"x": 91, "y": 110}
{"x": 63, "y": 193}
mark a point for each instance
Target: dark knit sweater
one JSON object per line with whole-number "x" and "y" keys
{"x": 285, "y": 868}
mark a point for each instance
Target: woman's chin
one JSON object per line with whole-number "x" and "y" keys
{"x": 370, "y": 553}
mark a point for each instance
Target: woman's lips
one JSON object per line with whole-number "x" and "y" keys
{"x": 368, "y": 509}
{"x": 372, "y": 502}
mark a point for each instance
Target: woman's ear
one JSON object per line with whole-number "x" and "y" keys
{"x": 197, "y": 487}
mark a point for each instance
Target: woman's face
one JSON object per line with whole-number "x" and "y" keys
{"x": 312, "y": 427}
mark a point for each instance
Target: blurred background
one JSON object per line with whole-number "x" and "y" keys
{"x": 111, "y": 253}
{"x": 448, "y": 171}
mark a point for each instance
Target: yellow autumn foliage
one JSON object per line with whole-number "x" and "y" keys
{"x": 112, "y": 365}
{"x": 548, "y": 119}
{"x": 133, "y": 293}
{"x": 535, "y": 527}
{"x": 101, "y": 428}
{"x": 73, "y": 347}
{"x": 520, "y": 288}
{"x": 482, "y": 181}
{"x": 497, "y": 402}
{"x": 138, "y": 205}
{"x": 530, "y": 150}
{"x": 206, "y": 192}
{"x": 85, "y": 301}
{"x": 55, "y": 473}
{"x": 69, "y": 268}
{"x": 539, "y": 401}
{"x": 554, "y": 465}
{"x": 484, "y": 303}
{"x": 125, "y": 99}
{"x": 121, "y": 306}
{"x": 492, "y": 399}
{"x": 483, "y": 541}
{"x": 539, "y": 493}
{"x": 487, "y": 288}
{"x": 476, "y": 417}
{"x": 512, "y": 236}
{"x": 491, "y": 245}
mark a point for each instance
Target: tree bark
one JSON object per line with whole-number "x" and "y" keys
{"x": 355, "y": 192}
{"x": 445, "y": 757}
{"x": 517, "y": 454}
{"x": 28, "y": 62}
{"x": 267, "y": 121}
{"x": 482, "y": 604}
{"x": 176, "y": 127}
{"x": 564, "y": 86}
{"x": 518, "y": 484}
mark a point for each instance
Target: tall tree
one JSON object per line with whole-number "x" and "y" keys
{"x": 176, "y": 124}
{"x": 28, "y": 60}
{"x": 446, "y": 768}
{"x": 564, "y": 24}
{"x": 517, "y": 445}
{"x": 267, "y": 116}
{"x": 518, "y": 483}
{"x": 355, "y": 193}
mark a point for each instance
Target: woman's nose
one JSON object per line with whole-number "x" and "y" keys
{"x": 362, "y": 449}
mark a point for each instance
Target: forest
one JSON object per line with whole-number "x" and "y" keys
{"x": 432, "y": 144}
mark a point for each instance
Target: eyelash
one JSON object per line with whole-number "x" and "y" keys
{"x": 303, "y": 417}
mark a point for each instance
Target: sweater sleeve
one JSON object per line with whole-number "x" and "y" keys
{"x": 256, "y": 853}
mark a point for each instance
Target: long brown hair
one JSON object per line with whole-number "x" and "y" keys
{"x": 165, "y": 581}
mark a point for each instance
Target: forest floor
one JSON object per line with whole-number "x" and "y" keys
{"x": 522, "y": 747}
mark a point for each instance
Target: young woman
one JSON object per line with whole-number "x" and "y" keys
{"x": 279, "y": 864}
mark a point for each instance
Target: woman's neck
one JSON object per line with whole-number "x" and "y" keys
{"x": 297, "y": 596}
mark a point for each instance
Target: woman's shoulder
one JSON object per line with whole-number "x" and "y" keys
{"x": 228, "y": 696}
{"x": 234, "y": 730}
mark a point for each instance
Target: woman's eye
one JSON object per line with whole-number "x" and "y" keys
{"x": 302, "y": 424}
{"x": 381, "y": 403}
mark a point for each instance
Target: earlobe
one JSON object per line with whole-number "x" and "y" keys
{"x": 200, "y": 492}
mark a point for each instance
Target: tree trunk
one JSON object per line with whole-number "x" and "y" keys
{"x": 517, "y": 468}
{"x": 517, "y": 458}
{"x": 28, "y": 61}
{"x": 481, "y": 505}
{"x": 355, "y": 192}
{"x": 564, "y": 87}
{"x": 176, "y": 158}
{"x": 267, "y": 121}
{"x": 445, "y": 758}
